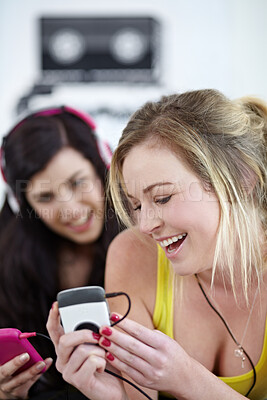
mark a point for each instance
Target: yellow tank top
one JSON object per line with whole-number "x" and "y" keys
{"x": 163, "y": 321}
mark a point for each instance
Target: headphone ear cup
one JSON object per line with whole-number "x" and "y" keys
{"x": 12, "y": 200}
{"x": 105, "y": 152}
{"x": 2, "y": 163}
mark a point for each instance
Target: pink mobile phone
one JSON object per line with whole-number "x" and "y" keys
{"x": 12, "y": 345}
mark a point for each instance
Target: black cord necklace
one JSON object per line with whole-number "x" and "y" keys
{"x": 240, "y": 347}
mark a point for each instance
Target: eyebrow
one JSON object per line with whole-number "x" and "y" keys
{"x": 150, "y": 187}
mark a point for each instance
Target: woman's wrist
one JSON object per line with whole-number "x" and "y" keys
{"x": 181, "y": 386}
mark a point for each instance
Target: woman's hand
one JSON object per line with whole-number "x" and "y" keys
{"x": 81, "y": 362}
{"x": 154, "y": 360}
{"x": 17, "y": 387}
{"x": 150, "y": 358}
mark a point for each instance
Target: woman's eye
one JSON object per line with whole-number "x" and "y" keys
{"x": 136, "y": 208}
{"x": 163, "y": 200}
{"x": 77, "y": 183}
{"x": 46, "y": 198}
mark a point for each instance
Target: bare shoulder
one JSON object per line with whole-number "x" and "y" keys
{"x": 131, "y": 266}
{"x": 131, "y": 249}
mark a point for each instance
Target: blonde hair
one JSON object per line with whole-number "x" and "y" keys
{"x": 224, "y": 143}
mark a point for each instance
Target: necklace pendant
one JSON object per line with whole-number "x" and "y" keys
{"x": 239, "y": 352}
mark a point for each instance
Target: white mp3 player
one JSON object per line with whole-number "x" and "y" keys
{"x": 83, "y": 308}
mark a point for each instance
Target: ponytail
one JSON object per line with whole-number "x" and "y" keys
{"x": 256, "y": 110}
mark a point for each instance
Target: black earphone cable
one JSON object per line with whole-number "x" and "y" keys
{"x": 129, "y": 382}
{"x": 116, "y": 294}
{"x": 44, "y": 336}
{"x": 230, "y": 333}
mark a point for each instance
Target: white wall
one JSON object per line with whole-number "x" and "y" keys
{"x": 205, "y": 43}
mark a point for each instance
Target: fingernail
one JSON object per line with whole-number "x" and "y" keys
{"x": 105, "y": 342}
{"x": 24, "y": 357}
{"x": 96, "y": 336}
{"x": 110, "y": 357}
{"x": 106, "y": 331}
{"x": 53, "y": 305}
{"x": 114, "y": 317}
{"x": 40, "y": 366}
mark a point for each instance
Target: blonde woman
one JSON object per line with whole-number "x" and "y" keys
{"x": 190, "y": 174}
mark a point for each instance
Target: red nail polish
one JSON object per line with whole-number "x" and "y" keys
{"x": 114, "y": 317}
{"x": 110, "y": 357}
{"x": 106, "y": 331}
{"x": 96, "y": 336}
{"x": 106, "y": 342}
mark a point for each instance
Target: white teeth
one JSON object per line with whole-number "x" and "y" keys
{"x": 173, "y": 239}
{"x": 80, "y": 221}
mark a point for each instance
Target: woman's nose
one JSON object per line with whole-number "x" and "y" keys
{"x": 149, "y": 220}
{"x": 70, "y": 210}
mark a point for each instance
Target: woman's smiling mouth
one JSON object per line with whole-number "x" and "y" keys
{"x": 171, "y": 244}
{"x": 81, "y": 224}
